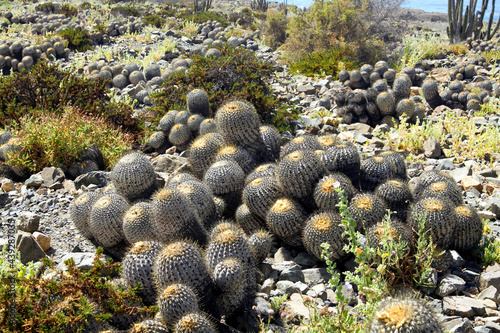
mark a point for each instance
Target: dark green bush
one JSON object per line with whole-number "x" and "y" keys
{"x": 154, "y": 20}
{"x": 46, "y": 88}
{"x": 202, "y": 17}
{"x": 85, "y": 5}
{"x": 127, "y": 10}
{"x": 46, "y": 7}
{"x": 244, "y": 17}
{"x": 237, "y": 74}
{"x": 68, "y": 10}
{"x": 328, "y": 62}
{"x": 78, "y": 40}
{"x": 275, "y": 29}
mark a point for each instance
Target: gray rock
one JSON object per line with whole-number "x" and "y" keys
{"x": 293, "y": 274}
{"x": 304, "y": 259}
{"x": 494, "y": 327}
{"x": 169, "y": 163}
{"x": 463, "y": 306}
{"x": 306, "y": 88}
{"x": 83, "y": 260}
{"x": 459, "y": 173}
{"x": 282, "y": 255}
{"x": 316, "y": 275}
{"x": 489, "y": 279}
{"x": 28, "y": 221}
{"x": 489, "y": 293}
{"x": 267, "y": 286}
{"x": 303, "y": 288}
{"x": 281, "y": 266}
{"x": 35, "y": 181}
{"x": 482, "y": 329}
{"x": 287, "y": 287}
{"x": 486, "y": 214}
{"x": 449, "y": 285}
{"x": 432, "y": 148}
{"x": 459, "y": 325}
{"x": 457, "y": 260}
{"x": 28, "y": 248}
{"x": 99, "y": 178}
{"x": 52, "y": 175}
{"x": 261, "y": 305}
{"x": 308, "y": 121}
{"x": 492, "y": 204}
{"x": 445, "y": 164}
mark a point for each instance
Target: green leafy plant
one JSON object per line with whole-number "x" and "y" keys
{"x": 488, "y": 251}
{"x": 68, "y": 10}
{"x": 275, "y": 29}
{"x": 127, "y": 10}
{"x": 78, "y": 40}
{"x": 326, "y": 62}
{"x": 154, "y": 20}
{"x": 59, "y": 140}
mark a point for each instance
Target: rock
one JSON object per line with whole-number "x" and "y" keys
{"x": 316, "y": 275}
{"x": 287, "y": 287}
{"x": 460, "y": 173}
{"x": 8, "y": 185}
{"x": 360, "y": 128}
{"x": 52, "y": 175}
{"x": 311, "y": 122}
{"x": 494, "y": 327}
{"x": 304, "y": 259}
{"x": 445, "y": 164}
{"x": 35, "y": 181}
{"x": 306, "y": 89}
{"x": 28, "y": 247}
{"x": 487, "y": 215}
{"x": 468, "y": 182}
{"x": 456, "y": 259}
{"x": 42, "y": 240}
{"x": 482, "y": 329}
{"x": 99, "y": 178}
{"x": 432, "y": 148}
{"x": 459, "y": 325}
{"x": 293, "y": 274}
{"x": 28, "y": 221}
{"x": 169, "y": 163}
{"x": 296, "y": 310}
{"x": 267, "y": 286}
{"x": 463, "y": 306}
{"x": 489, "y": 293}
{"x": 487, "y": 279}
{"x": 83, "y": 260}
{"x": 493, "y": 205}
{"x": 282, "y": 255}
{"x": 449, "y": 285}
{"x": 281, "y": 266}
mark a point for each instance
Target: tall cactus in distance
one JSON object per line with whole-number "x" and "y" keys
{"x": 469, "y": 24}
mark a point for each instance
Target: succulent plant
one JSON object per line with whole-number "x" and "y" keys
{"x": 201, "y": 200}
{"x": 79, "y": 211}
{"x": 228, "y": 273}
{"x": 325, "y": 194}
{"x": 374, "y": 171}
{"x": 149, "y": 326}
{"x": 106, "y": 219}
{"x": 260, "y": 243}
{"x": 270, "y": 144}
{"x": 175, "y": 301}
{"x": 133, "y": 176}
{"x": 443, "y": 189}
{"x": 197, "y": 102}
{"x": 236, "y": 154}
{"x": 404, "y": 315}
{"x": 401, "y": 88}
{"x": 194, "y": 122}
{"x": 304, "y": 142}
{"x": 396, "y": 195}
{"x": 182, "y": 117}
{"x": 138, "y": 267}
{"x": 137, "y": 224}
{"x": 224, "y": 177}
{"x": 324, "y": 227}
{"x": 328, "y": 141}
{"x": 344, "y": 157}
{"x": 405, "y": 106}
{"x": 396, "y": 231}
{"x": 286, "y": 219}
{"x": 203, "y": 153}
{"x": 196, "y": 322}
{"x": 429, "y": 177}
{"x": 260, "y": 194}
{"x": 442, "y": 260}
{"x": 398, "y": 163}
{"x": 366, "y": 209}
{"x": 248, "y": 221}
{"x": 208, "y": 126}
{"x": 167, "y": 121}
{"x": 263, "y": 170}
{"x": 180, "y": 136}
{"x": 180, "y": 178}
{"x": 431, "y": 93}
{"x": 298, "y": 173}
{"x": 386, "y": 104}
{"x": 468, "y": 231}
{"x": 157, "y": 139}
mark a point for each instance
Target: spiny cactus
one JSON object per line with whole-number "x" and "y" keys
{"x": 366, "y": 209}
{"x": 263, "y": 170}
{"x": 386, "y": 104}
{"x": 106, "y": 219}
{"x": 325, "y": 194}
{"x": 442, "y": 260}
{"x": 298, "y": 173}
{"x": 325, "y": 227}
{"x": 197, "y": 102}
{"x": 443, "y": 189}
{"x": 396, "y": 231}
{"x": 196, "y": 322}
{"x": 401, "y": 88}
{"x": 439, "y": 217}
{"x": 374, "y": 171}
{"x": 79, "y": 211}
{"x": 180, "y": 178}
{"x": 428, "y": 178}
{"x": 133, "y": 176}
{"x": 286, "y": 219}
{"x": 431, "y": 93}
{"x": 304, "y": 142}
{"x": 236, "y": 154}
{"x": 208, "y": 126}
{"x": 167, "y": 121}
{"x": 270, "y": 144}
{"x": 344, "y": 157}
{"x": 327, "y": 141}
{"x": 180, "y": 136}
{"x": 194, "y": 122}
{"x": 201, "y": 200}
{"x": 137, "y": 224}
{"x": 260, "y": 243}
{"x": 398, "y": 162}
{"x": 404, "y": 315}
{"x": 138, "y": 267}
{"x": 157, "y": 139}
{"x": 468, "y": 230}
{"x": 260, "y": 194}
{"x": 174, "y": 217}
{"x": 248, "y": 221}
{"x": 238, "y": 123}
{"x": 397, "y": 196}
{"x": 175, "y": 301}
{"x": 228, "y": 273}
{"x": 405, "y": 106}
{"x": 182, "y": 117}
{"x": 203, "y": 153}
{"x": 224, "y": 177}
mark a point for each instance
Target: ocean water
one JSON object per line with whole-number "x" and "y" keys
{"x": 435, "y": 6}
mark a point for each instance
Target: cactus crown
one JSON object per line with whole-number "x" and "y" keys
{"x": 326, "y": 141}
{"x": 177, "y": 127}
{"x": 226, "y": 237}
{"x": 464, "y": 211}
{"x": 364, "y": 203}
{"x": 134, "y": 213}
{"x": 163, "y": 194}
{"x": 227, "y": 150}
{"x": 433, "y": 205}
{"x": 396, "y": 183}
{"x": 256, "y": 182}
{"x": 263, "y": 167}
{"x": 438, "y": 187}
{"x": 396, "y": 315}
{"x": 172, "y": 290}
{"x": 282, "y": 205}
{"x": 329, "y": 185}
{"x": 199, "y": 143}
{"x": 378, "y": 159}
{"x": 299, "y": 139}
{"x": 173, "y": 250}
{"x": 103, "y": 202}
{"x": 382, "y": 230}
{"x": 141, "y": 247}
{"x": 185, "y": 188}
{"x": 295, "y": 156}
{"x": 82, "y": 199}
{"x": 322, "y": 223}
{"x": 187, "y": 323}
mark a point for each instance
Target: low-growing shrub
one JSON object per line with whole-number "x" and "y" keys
{"x": 236, "y": 74}
{"x": 328, "y": 62}
{"x": 59, "y": 140}
{"x": 85, "y": 5}
{"x": 275, "y": 29}
{"x": 46, "y": 7}
{"x": 46, "y": 88}
{"x": 202, "y": 17}
{"x": 154, "y": 20}
{"x": 78, "y": 40}
{"x": 127, "y": 10}
{"x": 68, "y": 10}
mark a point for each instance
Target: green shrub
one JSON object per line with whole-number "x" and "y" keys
{"x": 46, "y": 88}
{"x": 328, "y": 62}
{"x": 127, "y": 10}
{"x": 154, "y": 20}
{"x": 275, "y": 29}
{"x": 202, "y": 17}
{"x": 85, "y": 5}
{"x": 68, "y": 10}
{"x": 78, "y": 40}
{"x": 237, "y": 74}
{"x": 69, "y": 302}
{"x": 59, "y": 140}
{"x": 243, "y": 17}
{"x": 46, "y": 7}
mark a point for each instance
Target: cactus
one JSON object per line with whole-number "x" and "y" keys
{"x": 304, "y": 142}
{"x": 380, "y": 85}
{"x": 468, "y": 231}
{"x": 428, "y": 178}
{"x": 396, "y": 231}
{"x": 259, "y": 5}
{"x": 138, "y": 267}
{"x": 236, "y": 154}
{"x": 344, "y": 157}
{"x": 180, "y": 178}
{"x": 397, "y": 196}
{"x": 260, "y": 243}
{"x": 325, "y": 227}
{"x": 175, "y": 301}
{"x": 149, "y": 326}
{"x": 174, "y": 217}
{"x": 157, "y": 139}
{"x": 208, "y": 126}
{"x": 401, "y": 88}
{"x": 194, "y": 122}
{"x": 228, "y": 273}
{"x": 263, "y": 170}
{"x": 238, "y": 123}
{"x": 431, "y": 93}
{"x": 79, "y": 211}
{"x": 270, "y": 144}
{"x": 248, "y": 221}
{"x": 398, "y": 163}
{"x": 367, "y": 210}
{"x": 286, "y": 219}
{"x": 374, "y": 171}
{"x": 386, "y": 104}
{"x": 325, "y": 194}
{"x": 405, "y": 106}
{"x": 404, "y": 315}
{"x": 443, "y": 189}
{"x": 220, "y": 205}
{"x": 197, "y": 102}
{"x": 203, "y": 153}
{"x": 439, "y": 217}
{"x": 106, "y": 219}
{"x": 182, "y": 117}
{"x": 328, "y": 141}
{"x": 260, "y": 194}
{"x": 180, "y": 136}
{"x": 469, "y": 23}
{"x": 442, "y": 260}
{"x": 201, "y": 200}
{"x": 224, "y": 177}
{"x": 195, "y": 322}
{"x": 137, "y": 224}
{"x": 134, "y": 177}
{"x": 298, "y": 173}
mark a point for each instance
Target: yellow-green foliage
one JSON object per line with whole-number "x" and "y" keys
{"x": 275, "y": 29}
{"x": 58, "y": 140}
{"x": 492, "y": 107}
{"x": 491, "y": 56}
{"x": 489, "y": 247}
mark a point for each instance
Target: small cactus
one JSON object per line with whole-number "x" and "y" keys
{"x": 325, "y": 227}
{"x": 134, "y": 177}
{"x": 286, "y": 219}
{"x": 197, "y": 102}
